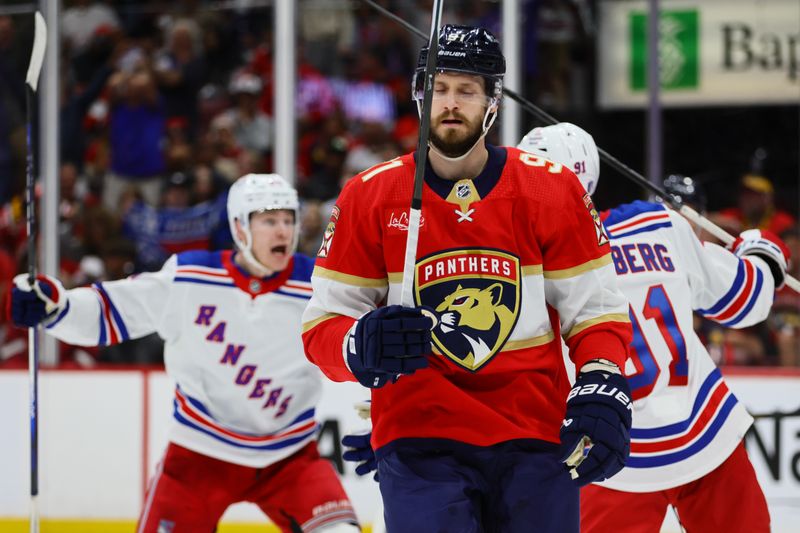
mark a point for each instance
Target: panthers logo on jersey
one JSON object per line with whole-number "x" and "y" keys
{"x": 327, "y": 237}
{"x": 476, "y": 296}
{"x": 599, "y": 229}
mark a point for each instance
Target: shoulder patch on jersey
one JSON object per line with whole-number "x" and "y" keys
{"x": 476, "y": 297}
{"x": 327, "y": 236}
{"x": 200, "y": 258}
{"x": 602, "y": 236}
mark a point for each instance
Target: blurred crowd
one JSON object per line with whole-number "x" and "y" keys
{"x": 163, "y": 106}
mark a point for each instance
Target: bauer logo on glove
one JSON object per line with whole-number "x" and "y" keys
{"x": 595, "y": 435}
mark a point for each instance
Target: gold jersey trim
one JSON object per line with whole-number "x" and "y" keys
{"x": 594, "y": 264}
{"x": 532, "y": 270}
{"x": 522, "y": 344}
{"x": 380, "y": 168}
{"x": 529, "y": 343}
{"x": 349, "y": 279}
{"x": 610, "y": 317}
{"x": 317, "y": 321}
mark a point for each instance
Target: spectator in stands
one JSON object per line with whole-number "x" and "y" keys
{"x": 374, "y": 144}
{"x": 251, "y": 128}
{"x": 180, "y": 70}
{"x": 329, "y": 160}
{"x": 178, "y": 225}
{"x": 136, "y": 131}
{"x": 77, "y": 101}
{"x": 785, "y": 318}
{"x": 756, "y": 206}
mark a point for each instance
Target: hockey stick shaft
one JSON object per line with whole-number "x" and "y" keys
{"x": 689, "y": 213}
{"x": 32, "y": 82}
{"x": 415, "y": 213}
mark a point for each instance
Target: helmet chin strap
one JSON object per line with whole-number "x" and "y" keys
{"x": 252, "y": 262}
{"x": 486, "y": 126}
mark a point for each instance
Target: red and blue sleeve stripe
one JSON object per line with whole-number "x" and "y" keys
{"x": 737, "y": 303}
{"x": 112, "y": 327}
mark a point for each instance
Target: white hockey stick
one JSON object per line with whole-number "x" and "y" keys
{"x": 32, "y": 82}
{"x": 410, "y": 262}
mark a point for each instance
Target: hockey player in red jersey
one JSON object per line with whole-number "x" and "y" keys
{"x": 470, "y": 437}
{"x": 686, "y": 439}
{"x": 243, "y": 426}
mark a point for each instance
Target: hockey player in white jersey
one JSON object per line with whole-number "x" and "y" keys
{"x": 243, "y": 426}
{"x": 686, "y": 439}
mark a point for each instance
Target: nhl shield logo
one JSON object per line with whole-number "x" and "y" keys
{"x": 476, "y": 296}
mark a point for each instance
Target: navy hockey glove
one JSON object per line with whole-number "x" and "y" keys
{"x": 360, "y": 451}
{"x": 767, "y": 246}
{"x": 595, "y": 435}
{"x": 30, "y": 306}
{"x": 389, "y": 341}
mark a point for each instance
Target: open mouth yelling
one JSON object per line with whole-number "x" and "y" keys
{"x": 279, "y": 250}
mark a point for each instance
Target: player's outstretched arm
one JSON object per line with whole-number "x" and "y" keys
{"x": 595, "y": 434}
{"x": 105, "y": 313}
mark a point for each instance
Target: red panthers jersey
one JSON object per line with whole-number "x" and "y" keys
{"x": 510, "y": 261}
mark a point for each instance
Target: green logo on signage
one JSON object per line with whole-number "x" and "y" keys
{"x": 678, "y": 49}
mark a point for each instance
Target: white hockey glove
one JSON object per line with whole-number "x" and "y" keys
{"x": 767, "y": 246}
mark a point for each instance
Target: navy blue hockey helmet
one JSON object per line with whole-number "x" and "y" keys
{"x": 687, "y": 190}
{"x": 466, "y": 49}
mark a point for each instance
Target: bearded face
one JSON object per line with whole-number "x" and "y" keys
{"x": 453, "y": 133}
{"x": 459, "y": 105}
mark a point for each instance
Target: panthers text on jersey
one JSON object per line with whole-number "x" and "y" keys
{"x": 686, "y": 421}
{"x": 509, "y": 261}
{"x": 245, "y": 393}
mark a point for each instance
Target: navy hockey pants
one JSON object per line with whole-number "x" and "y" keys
{"x": 512, "y": 487}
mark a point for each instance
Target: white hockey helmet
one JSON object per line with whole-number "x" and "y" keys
{"x": 254, "y": 193}
{"x": 569, "y": 145}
